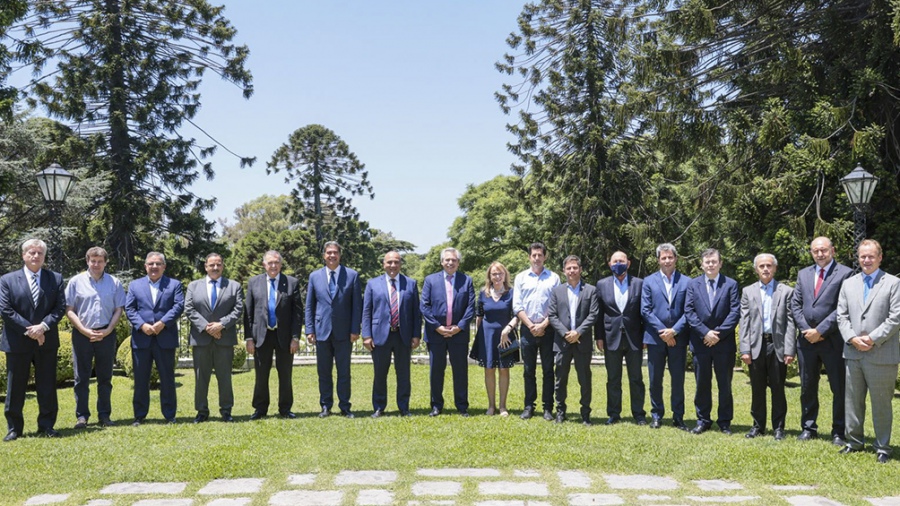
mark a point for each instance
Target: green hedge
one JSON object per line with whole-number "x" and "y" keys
{"x": 65, "y": 365}
{"x": 239, "y": 362}
{"x": 126, "y": 362}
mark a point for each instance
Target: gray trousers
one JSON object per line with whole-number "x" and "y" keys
{"x": 207, "y": 358}
{"x": 876, "y": 380}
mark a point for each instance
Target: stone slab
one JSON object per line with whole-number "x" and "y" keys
{"x": 374, "y": 497}
{"x": 144, "y": 488}
{"x": 459, "y": 473}
{"x": 517, "y": 488}
{"x": 884, "y": 501}
{"x": 365, "y": 478}
{"x": 811, "y": 500}
{"x": 46, "y": 499}
{"x": 512, "y": 503}
{"x": 652, "y": 497}
{"x": 640, "y": 482}
{"x": 721, "y": 499}
{"x": 574, "y": 479}
{"x": 230, "y": 501}
{"x": 717, "y": 485}
{"x": 594, "y": 499}
{"x": 232, "y": 486}
{"x": 788, "y": 488}
{"x": 99, "y": 502}
{"x": 301, "y": 479}
{"x": 421, "y": 488}
{"x": 307, "y": 498}
{"x": 526, "y": 473}
{"x": 164, "y": 502}
{"x": 435, "y": 503}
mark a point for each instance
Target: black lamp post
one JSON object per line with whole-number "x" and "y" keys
{"x": 55, "y": 183}
{"x": 859, "y": 185}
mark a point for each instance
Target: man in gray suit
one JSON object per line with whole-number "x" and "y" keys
{"x": 214, "y": 305}
{"x": 572, "y": 311}
{"x": 868, "y": 316}
{"x": 768, "y": 343}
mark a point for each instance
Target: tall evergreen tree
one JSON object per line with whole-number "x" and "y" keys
{"x": 10, "y": 12}
{"x": 129, "y": 72}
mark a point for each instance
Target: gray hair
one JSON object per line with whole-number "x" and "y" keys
{"x": 31, "y": 243}
{"x": 757, "y": 258}
{"x": 335, "y": 244}
{"x": 155, "y": 254}
{"x": 666, "y": 246}
{"x": 451, "y": 250}
{"x": 272, "y": 253}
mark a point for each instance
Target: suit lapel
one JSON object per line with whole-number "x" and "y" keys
{"x": 828, "y": 278}
{"x": 876, "y": 285}
{"x": 756, "y": 298}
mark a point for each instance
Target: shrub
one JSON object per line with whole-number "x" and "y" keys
{"x": 126, "y": 362}
{"x": 3, "y": 374}
{"x": 65, "y": 366}
{"x": 240, "y": 358}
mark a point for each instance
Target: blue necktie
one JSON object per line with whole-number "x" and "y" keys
{"x": 332, "y": 284}
{"x": 272, "y": 321}
{"x": 712, "y": 291}
{"x": 867, "y": 282}
{"x": 213, "y": 295}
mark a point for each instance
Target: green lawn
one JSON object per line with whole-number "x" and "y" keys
{"x": 83, "y": 462}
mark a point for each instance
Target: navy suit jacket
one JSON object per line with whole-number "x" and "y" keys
{"x": 18, "y": 310}
{"x": 336, "y": 317}
{"x": 723, "y": 316}
{"x": 619, "y": 330}
{"x": 659, "y": 312}
{"x": 434, "y": 305}
{"x": 140, "y": 309}
{"x": 819, "y": 312}
{"x": 376, "y": 319}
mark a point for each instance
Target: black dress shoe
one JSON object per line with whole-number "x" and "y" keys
{"x": 526, "y": 414}
{"x": 50, "y": 433}
{"x": 612, "y": 420}
{"x": 779, "y": 434}
{"x": 137, "y": 422}
{"x": 200, "y": 418}
{"x": 882, "y": 458}
{"x": 405, "y": 413}
{"x": 848, "y": 449}
{"x": 378, "y": 413}
{"x": 81, "y": 423}
{"x": 325, "y": 413}
{"x": 586, "y": 420}
{"x": 11, "y": 436}
{"x": 655, "y": 423}
{"x": 560, "y": 416}
{"x": 754, "y": 432}
{"x": 725, "y": 430}
{"x": 641, "y": 421}
{"x": 435, "y": 411}
{"x": 106, "y": 422}
{"x": 548, "y": 415}
{"x": 679, "y": 424}
{"x": 346, "y": 413}
{"x": 257, "y": 415}
{"x": 171, "y": 421}
{"x": 700, "y": 428}
{"x": 807, "y": 434}
{"x": 838, "y": 441}
{"x": 227, "y": 418}
{"x": 464, "y": 414}
{"x": 287, "y": 414}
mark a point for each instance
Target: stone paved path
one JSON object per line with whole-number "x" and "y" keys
{"x": 488, "y": 487}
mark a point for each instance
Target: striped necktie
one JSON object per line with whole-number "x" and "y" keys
{"x": 395, "y": 305}
{"x": 35, "y": 290}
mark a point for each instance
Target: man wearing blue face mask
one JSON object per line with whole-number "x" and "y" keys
{"x": 619, "y": 332}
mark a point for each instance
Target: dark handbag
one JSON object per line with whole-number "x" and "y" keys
{"x": 513, "y": 346}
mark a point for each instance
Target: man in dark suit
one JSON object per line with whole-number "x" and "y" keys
{"x": 448, "y": 306}
{"x": 768, "y": 343}
{"x": 153, "y": 305}
{"x": 273, "y": 317}
{"x": 333, "y": 319}
{"x": 666, "y": 334}
{"x": 572, "y": 311}
{"x": 713, "y": 308}
{"x": 814, "y": 306}
{"x": 32, "y": 301}
{"x": 620, "y": 334}
{"x": 391, "y": 324}
{"x": 868, "y": 316}
{"x": 214, "y": 305}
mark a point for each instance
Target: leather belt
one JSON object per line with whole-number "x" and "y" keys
{"x": 767, "y": 337}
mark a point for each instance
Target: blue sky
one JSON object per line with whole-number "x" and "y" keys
{"x": 408, "y": 85}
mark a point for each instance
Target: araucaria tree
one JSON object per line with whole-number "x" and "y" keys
{"x": 128, "y": 71}
{"x": 327, "y": 174}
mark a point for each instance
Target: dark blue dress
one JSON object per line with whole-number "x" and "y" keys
{"x": 496, "y": 315}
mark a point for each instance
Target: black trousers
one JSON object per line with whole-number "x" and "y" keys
{"x": 582, "y": 361}
{"x": 381, "y": 360}
{"x": 98, "y": 356}
{"x": 812, "y": 358}
{"x": 657, "y": 356}
{"x": 723, "y": 366}
{"x": 165, "y": 364}
{"x": 262, "y": 366}
{"x": 334, "y": 352}
{"x": 438, "y": 351}
{"x": 531, "y": 348}
{"x": 206, "y": 359}
{"x": 768, "y": 371}
{"x": 633, "y": 363}
{"x": 18, "y": 367}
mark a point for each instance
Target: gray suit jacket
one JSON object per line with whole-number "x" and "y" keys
{"x": 585, "y": 315}
{"x": 228, "y": 311}
{"x": 784, "y": 333}
{"x": 879, "y": 317}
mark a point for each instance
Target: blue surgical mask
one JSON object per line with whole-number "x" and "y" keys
{"x": 619, "y": 269}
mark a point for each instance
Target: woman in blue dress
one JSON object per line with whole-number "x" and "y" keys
{"x": 495, "y": 321}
